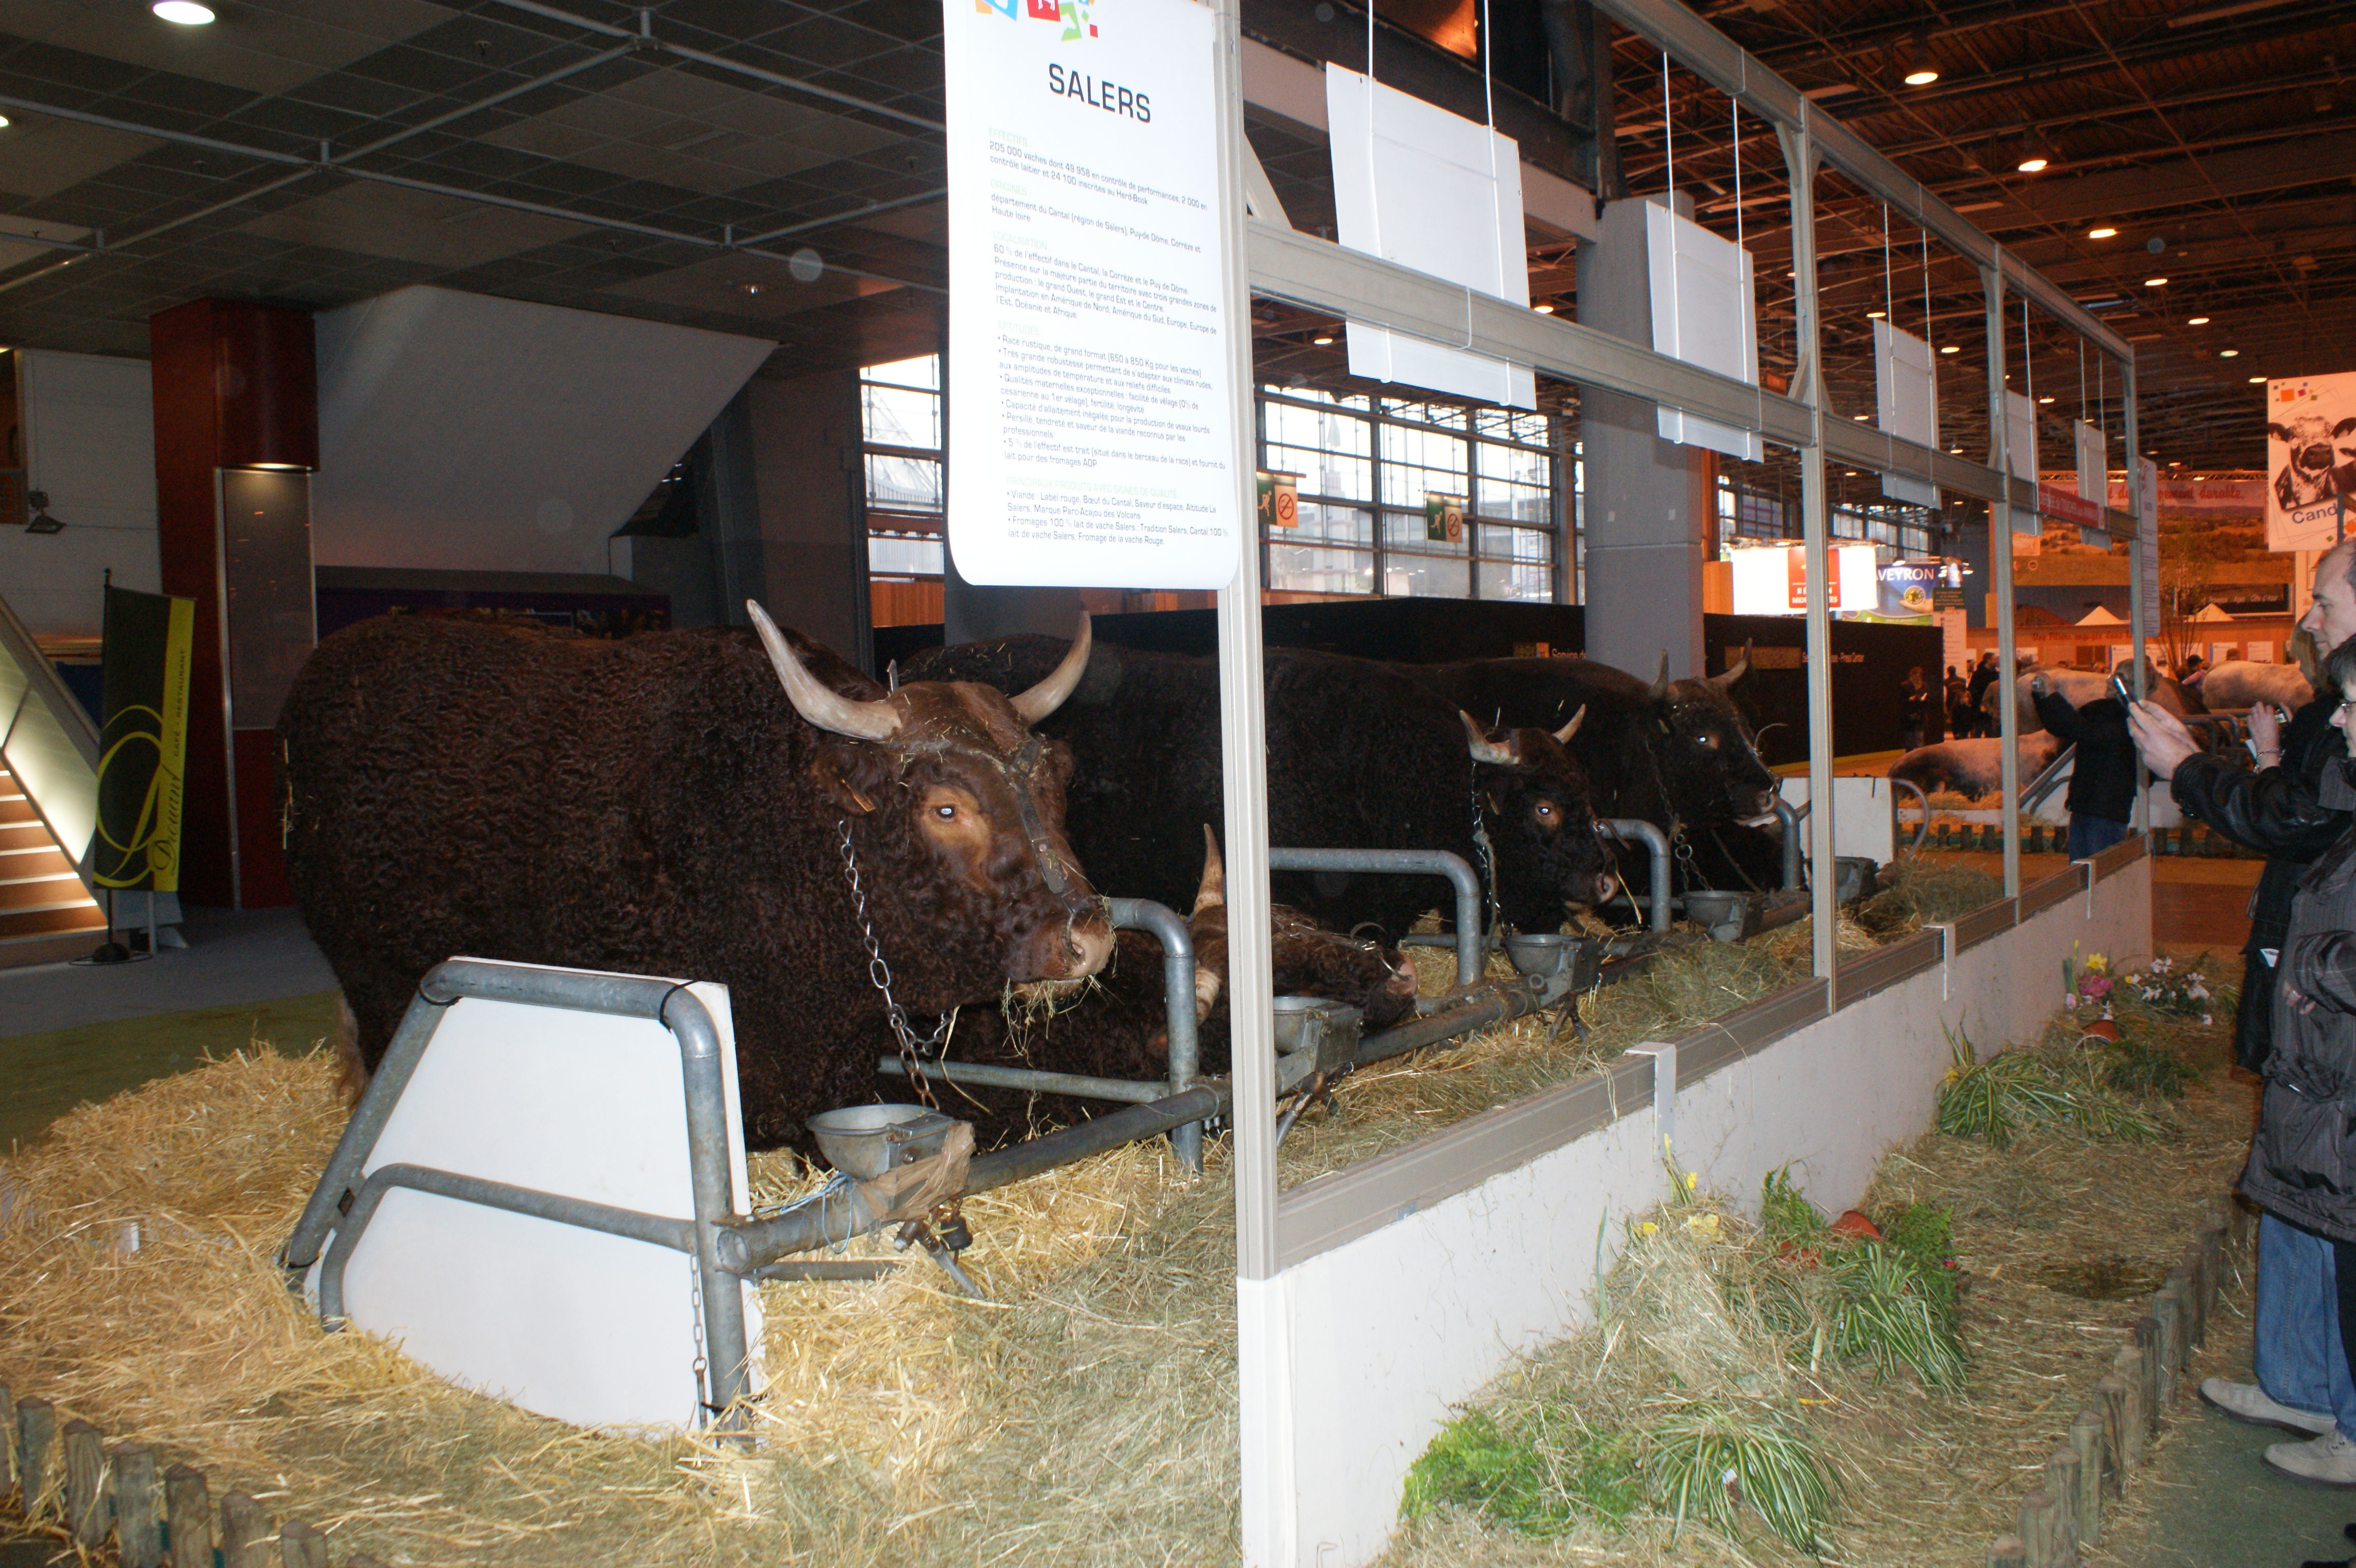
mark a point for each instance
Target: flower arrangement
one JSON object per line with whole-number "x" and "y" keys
{"x": 2166, "y": 988}
{"x": 2086, "y": 983}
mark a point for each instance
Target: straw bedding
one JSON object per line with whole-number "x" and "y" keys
{"x": 1081, "y": 1413}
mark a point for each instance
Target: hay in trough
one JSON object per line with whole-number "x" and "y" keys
{"x": 1917, "y": 891}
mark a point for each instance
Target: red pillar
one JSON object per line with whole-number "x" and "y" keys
{"x": 237, "y": 435}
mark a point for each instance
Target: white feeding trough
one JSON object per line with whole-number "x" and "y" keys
{"x": 515, "y": 1201}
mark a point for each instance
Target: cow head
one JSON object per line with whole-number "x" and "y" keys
{"x": 2316, "y": 446}
{"x": 956, "y": 812}
{"x": 1307, "y": 959}
{"x": 1540, "y": 817}
{"x": 1709, "y": 759}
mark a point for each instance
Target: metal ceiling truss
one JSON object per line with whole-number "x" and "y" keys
{"x": 643, "y": 40}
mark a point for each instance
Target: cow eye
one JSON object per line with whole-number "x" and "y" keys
{"x": 945, "y": 813}
{"x": 1709, "y": 742}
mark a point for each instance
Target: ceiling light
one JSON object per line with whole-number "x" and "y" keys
{"x": 1858, "y": 416}
{"x": 1877, "y": 314}
{"x": 2196, "y": 321}
{"x": 2254, "y": 379}
{"x": 1948, "y": 349}
{"x": 188, "y": 13}
{"x": 1957, "y": 450}
{"x": 2155, "y": 282}
{"x": 1542, "y": 309}
{"x": 1322, "y": 338}
{"x": 2101, "y": 233}
{"x": 2046, "y": 398}
{"x": 4, "y": 121}
{"x": 2034, "y": 163}
{"x": 1920, "y": 70}
{"x": 2229, "y": 353}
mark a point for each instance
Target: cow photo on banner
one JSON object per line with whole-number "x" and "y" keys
{"x": 2310, "y": 460}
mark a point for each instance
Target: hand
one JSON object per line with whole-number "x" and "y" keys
{"x": 2164, "y": 741}
{"x": 2265, "y": 730}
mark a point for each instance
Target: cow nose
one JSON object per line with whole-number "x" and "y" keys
{"x": 1089, "y": 943}
{"x": 1605, "y": 886}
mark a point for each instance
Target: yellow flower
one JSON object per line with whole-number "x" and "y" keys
{"x": 2096, "y": 962}
{"x": 1646, "y": 1229}
{"x": 1692, "y": 1180}
{"x": 1703, "y": 1224}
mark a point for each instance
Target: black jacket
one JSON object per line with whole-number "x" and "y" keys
{"x": 2278, "y": 812}
{"x": 2303, "y": 1160}
{"x": 2103, "y": 775}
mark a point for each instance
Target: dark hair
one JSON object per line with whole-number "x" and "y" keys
{"x": 2339, "y": 668}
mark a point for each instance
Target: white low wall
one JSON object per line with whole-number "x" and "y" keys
{"x": 1351, "y": 1356}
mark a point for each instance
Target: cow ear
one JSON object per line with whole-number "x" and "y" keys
{"x": 2279, "y": 434}
{"x": 826, "y": 767}
{"x": 2343, "y": 427}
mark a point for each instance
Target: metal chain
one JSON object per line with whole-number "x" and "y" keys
{"x": 702, "y": 1366}
{"x": 879, "y": 974}
{"x": 1488, "y": 861}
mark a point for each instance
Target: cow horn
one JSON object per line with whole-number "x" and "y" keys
{"x": 1734, "y": 671}
{"x": 822, "y": 706}
{"x": 1214, "y": 890}
{"x": 1661, "y": 686}
{"x": 1048, "y": 695}
{"x": 1566, "y": 731}
{"x": 1485, "y": 750}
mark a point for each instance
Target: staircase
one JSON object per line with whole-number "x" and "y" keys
{"x": 45, "y": 914}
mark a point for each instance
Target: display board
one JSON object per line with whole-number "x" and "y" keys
{"x": 1415, "y": 185}
{"x": 1088, "y": 332}
{"x": 2020, "y": 439}
{"x": 2093, "y": 466}
{"x": 2146, "y": 555}
{"x": 1772, "y": 579}
{"x": 2310, "y": 460}
{"x": 590, "y": 1329}
{"x": 1704, "y": 313}
{"x": 1906, "y": 389}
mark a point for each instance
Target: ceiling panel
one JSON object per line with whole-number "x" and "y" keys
{"x": 11, "y": 254}
{"x": 407, "y": 225}
{"x": 751, "y": 287}
{"x": 40, "y": 156}
{"x": 262, "y": 46}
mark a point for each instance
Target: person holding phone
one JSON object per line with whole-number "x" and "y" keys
{"x": 2103, "y": 775}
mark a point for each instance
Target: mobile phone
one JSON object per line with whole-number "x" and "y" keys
{"x": 2119, "y": 690}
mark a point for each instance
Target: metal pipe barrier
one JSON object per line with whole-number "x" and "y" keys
{"x": 629, "y": 997}
{"x": 1178, "y": 1003}
{"x": 1920, "y": 799}
{"x": 1792, "y": 857}
{"x": 1470, "y": 946}
{"x": 1635, "y": 830}
{"x": 2034, "y": 793}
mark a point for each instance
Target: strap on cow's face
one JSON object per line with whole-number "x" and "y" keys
{"x": 1017, "y": 771}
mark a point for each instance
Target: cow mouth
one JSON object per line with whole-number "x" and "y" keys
{"x": 1065, "y": 954}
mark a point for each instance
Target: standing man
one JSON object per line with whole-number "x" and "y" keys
{"x": 1983, "y": 676}
{"x": 2103, "y": 775}
{"x": 2300, "y": 1362}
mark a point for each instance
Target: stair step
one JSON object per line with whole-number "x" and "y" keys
{"x": 51, "y": 922}
{"x": 19, "y": 810}
{"x": 26, "y": 835}
{"x": 40, "y": 860}
{"x": 45, "y": 892}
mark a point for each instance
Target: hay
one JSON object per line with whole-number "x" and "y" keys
{"x": 1917, "y": 891}
{"x": 2057, "y": 1255}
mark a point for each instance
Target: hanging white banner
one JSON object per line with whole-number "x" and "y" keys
{"x": 1906, "y": 400}
{"x": 1089, "y": 428}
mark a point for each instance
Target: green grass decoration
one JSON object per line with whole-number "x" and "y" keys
{"x": 1476, "y": 1464}
{"x": 1995, "y": 1099}
{"x": 1705, "y": 1461}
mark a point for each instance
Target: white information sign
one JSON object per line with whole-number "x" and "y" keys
{"x": 2094, "y": 464}
{"x": 2020, "y": 439}
{"x": 1906, "y": 393}
{"x": 1415, "y": 185}
{"x": 1704, "y": 312}
{"x": 2147, "y": 554}
{"x": 2310, "y": 460}
{"x": 1092, "y": 442}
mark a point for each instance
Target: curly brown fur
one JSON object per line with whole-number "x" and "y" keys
{"x": 655, "y": 805}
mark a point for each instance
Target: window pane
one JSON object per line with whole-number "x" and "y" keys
{"x": 899, "y": 555}
{"x": 904, "y": 484}
{"x": 1307, "y": 569}
{"x": 924, "y": 372}
{"x": 895, "y": 417}
{"x": 1420, "y": 462}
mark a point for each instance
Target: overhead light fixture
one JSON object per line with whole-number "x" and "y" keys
{"x": 2229, "y": 353}
{"x": 42, "y": 522}
{"x": 2102, "y": 233}
{"x": 1877, "y": 314}
{"x": 1920, "y": 68}
{"x": 1542, "y": 309}
{"x": 2256, "y": 380}
{"x": 2048, "y": 397}
{"x": 1948, "y": 349}
{"x": 1858, "y": 417}
{"x": 4, "y": 121}
{"x": 1322, "y": 338}
{"x": 1957, "y": 450}
{"x": 2033, "y": 160}
{"x": 187, "y": 13}
{"x": 2196, "y": 321}
{"x": 2155, "y": 282}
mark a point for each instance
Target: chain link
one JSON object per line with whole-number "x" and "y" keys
{"x": 879, "y": 974}
{"x": 701, "y": 1365}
